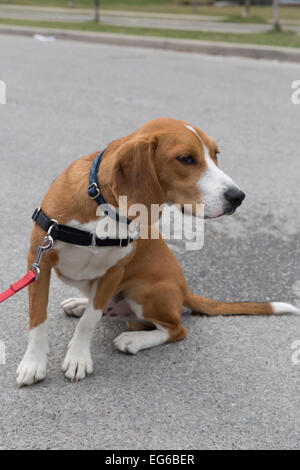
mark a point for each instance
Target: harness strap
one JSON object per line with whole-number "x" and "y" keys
{"x": 94, "y": 189}
{"x": 94, "y": 192}
{"x": 74, "y": 236}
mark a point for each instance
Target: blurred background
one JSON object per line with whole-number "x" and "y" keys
{"x": 266, "y": 22}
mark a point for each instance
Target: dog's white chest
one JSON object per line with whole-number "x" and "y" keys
{"x": 80, "y": 263}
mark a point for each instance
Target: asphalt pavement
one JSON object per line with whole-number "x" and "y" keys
{"x": 232, "y": 383}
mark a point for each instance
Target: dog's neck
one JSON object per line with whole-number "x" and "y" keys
{"x": 68, "y": 197}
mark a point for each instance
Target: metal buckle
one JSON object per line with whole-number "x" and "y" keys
{"x": 54, "y": 223}
{"x": 35, "y": 214}
{"x": 98, "y": 190}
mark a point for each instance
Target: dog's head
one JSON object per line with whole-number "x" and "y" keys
{"x": 168, "y": 160}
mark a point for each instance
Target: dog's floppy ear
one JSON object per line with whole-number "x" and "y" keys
{"x": 134, "y": 173}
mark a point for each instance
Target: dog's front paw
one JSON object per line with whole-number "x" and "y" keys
{"x": 77, "y": 363}
{"x": 75, "y": 306}
{"x": 32, "y": 369}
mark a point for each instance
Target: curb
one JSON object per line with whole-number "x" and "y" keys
{"x": 283, "y": 54}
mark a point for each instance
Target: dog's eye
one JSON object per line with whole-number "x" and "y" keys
{"x": 187, "y": 160}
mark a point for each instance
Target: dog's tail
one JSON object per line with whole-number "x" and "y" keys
{"x": 206, "y": 306}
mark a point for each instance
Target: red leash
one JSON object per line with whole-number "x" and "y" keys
{"x": 34, "y": 272}
{"x": 19, "y": 285}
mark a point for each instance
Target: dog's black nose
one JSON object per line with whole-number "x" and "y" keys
{"x": 234, "y": 196}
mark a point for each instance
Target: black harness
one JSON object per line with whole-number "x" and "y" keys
{"x": 75, "y": 236}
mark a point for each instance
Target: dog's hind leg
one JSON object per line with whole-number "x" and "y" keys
{"x": 160, "y": 307}
{"x": 75, "y": 306}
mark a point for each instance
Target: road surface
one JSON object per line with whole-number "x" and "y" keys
{"x": 232, "y": 383}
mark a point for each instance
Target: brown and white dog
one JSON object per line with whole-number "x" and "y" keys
{"x": 166, "y": 160}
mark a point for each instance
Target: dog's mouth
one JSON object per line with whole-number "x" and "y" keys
{"x": 226, "y": 211}
{"x": 216, "y": 215}
{"x": 230, "y": 211}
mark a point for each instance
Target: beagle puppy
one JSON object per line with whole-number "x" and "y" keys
{"x": 166, "y": 160}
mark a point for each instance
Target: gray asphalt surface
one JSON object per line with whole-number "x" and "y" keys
{"x": 147, "y": 22}
{"x": 231, "y": 384}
